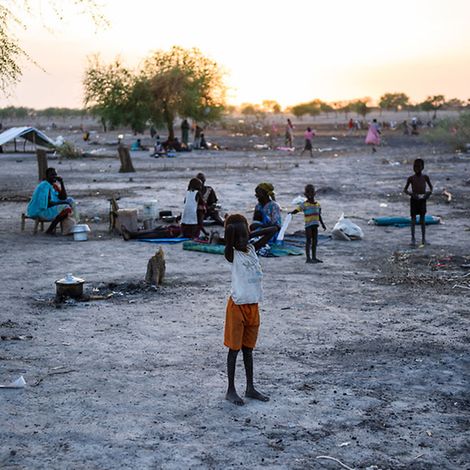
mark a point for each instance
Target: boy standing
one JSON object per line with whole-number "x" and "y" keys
{"x": 418, "y": 195}
{"x": 312, "y": 215}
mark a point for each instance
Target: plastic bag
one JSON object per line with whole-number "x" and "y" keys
{"x": 347, "y": 230}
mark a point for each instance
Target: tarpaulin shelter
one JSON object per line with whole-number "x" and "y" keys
{"x": 30, "y": 134}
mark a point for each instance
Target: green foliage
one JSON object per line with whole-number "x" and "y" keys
{"x": 183, "y": 82}
{"x": 271, "y": 106}
{"x": 68, "y": 150}
{"x": 13, "y": 112}
{"x": 180, "y": 82}
{"x": 360, "y": 107}
{"x": 454, "y": 132}
{"x": 394, "y": 101}
{"x": 432, "y": 103}
{"x": 116, "y": 95}
{"x": 312, "y": 108}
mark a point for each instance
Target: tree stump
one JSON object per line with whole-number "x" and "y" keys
{"x": 42, "y": 163}
{"x": 156, "y": 268}
{"x": 126, "y": 162}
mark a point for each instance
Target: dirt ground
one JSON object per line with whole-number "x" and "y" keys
{"x": 365, "y": 357}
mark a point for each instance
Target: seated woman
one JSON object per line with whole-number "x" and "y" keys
{"x": 50, "y": 202}
{"x": 267, "y": 211}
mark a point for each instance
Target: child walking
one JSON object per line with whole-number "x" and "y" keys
{"x": 242, "y": 314}
{"x": 418, "y": 196}
{"x": 312, "y": 216}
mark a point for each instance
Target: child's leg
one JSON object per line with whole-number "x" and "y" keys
{"x": 251, "y": 392}
{"x": 231, "y": 394}
{"x": 413, "y": 225}
{"x": 314, "y": 243}
{"x": 308, "y": 243}
{"x": 422, "y": 221}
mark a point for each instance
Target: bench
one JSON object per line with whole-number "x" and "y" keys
{"x": 38, "y": 223}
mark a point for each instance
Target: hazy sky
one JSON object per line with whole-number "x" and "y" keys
{"x": 290, "y": 50}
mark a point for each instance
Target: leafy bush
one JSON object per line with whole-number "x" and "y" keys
{"x": 68, "y": 150}
{"x": 454, "y": 132}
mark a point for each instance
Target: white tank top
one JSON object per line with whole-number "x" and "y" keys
{"x": 189, "y": 216}
{"x": 246, "y": 277}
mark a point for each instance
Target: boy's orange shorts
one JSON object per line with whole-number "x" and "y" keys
{"x": 241, "y": 325}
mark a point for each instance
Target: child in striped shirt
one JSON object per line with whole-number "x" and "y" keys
{"x": 312, "y": 215}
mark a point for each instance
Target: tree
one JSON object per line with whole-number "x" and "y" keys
{"x": 183, "y": 82}
{"x": 17, "y": 14}
{"x": 116, "y": 94}
{"x": 433, "y": 103}
{"x": 312, "y": 108}
{"x": 271, "y": 106}
{"x": 394, "y": 101}
{"x": 360, "y": 107}
{"x": 454, "y": 103}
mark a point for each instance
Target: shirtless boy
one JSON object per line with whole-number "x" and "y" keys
{"x": 418, "y": 195}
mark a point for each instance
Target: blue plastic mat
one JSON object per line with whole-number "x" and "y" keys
{"x": 398, "y": 221}
{"x": 162, "y": 241}
{"x": 275, "y": 251}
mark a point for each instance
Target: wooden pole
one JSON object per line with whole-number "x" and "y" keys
{"x": 42, "y": 163}
{"x": 126, "y": 162}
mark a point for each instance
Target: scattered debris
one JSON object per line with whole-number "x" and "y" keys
{"x": 448, "y": 195}
{"x": 15, "y": 337}
{"x": 335, "y": 460}
{"x": 55, "y": 371}
{"x": 18, "y": 383}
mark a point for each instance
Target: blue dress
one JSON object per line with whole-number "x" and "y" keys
{"x": 38, "y": 206}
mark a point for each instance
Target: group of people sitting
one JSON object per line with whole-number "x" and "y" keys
{"x": 50, "y": 202}
{"x": 200, "y": 205}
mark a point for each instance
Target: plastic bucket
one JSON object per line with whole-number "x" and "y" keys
{"x": 150, "y": 210}
{"x": 80, "y": 232}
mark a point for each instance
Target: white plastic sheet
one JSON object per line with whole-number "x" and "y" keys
{"x": 286, "y": 223}
{"x": 347, "y": 230}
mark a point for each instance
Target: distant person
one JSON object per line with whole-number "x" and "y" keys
{"x": 193, "y": 211}
{"x": 185, "y": 132}
{"x": 202, "y": 142}
{"x": 197, "y": 137}
{"x": 153, "y": 132}
{"x": 414, "y": 127}
{"x": 406, "y": 128}
{"x": 210, "y": 201}
{"x": 312, "y": 217}
{"x": 308, "y": 135}
{"x": 418, "y": 197}
{"x": 86, "y": 136}
{"x": 350, "y": 126}
{"x": 242, "y": 313}
{"x": 50, "y": 202}
{"x": 373, "y": 135}
{"x": 289, "y": 135}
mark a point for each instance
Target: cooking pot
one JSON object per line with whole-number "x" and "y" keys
{"x": 69, "y": 286}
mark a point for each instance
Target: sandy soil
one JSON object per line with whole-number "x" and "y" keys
{"x": 365, "y": 357}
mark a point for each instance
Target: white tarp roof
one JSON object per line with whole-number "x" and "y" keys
{"x": 29, "y": 133}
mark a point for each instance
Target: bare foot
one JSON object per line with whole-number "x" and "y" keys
{"x": 256, "y": 395}
{"x": 233, "y": 397}
{"x": 316, "y": 260}
{"x": 413, "y": 243}
{"x": 309, "y": 260}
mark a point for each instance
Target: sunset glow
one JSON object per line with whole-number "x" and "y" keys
{"x": 286, "y": 51}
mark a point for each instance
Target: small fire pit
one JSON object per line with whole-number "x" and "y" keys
{"x": 69, "y": 286}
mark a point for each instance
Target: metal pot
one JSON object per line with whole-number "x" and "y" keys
{"x": 69, "y": 286}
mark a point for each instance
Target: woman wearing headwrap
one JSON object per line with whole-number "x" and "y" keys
{"x": 267, "y": 211}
